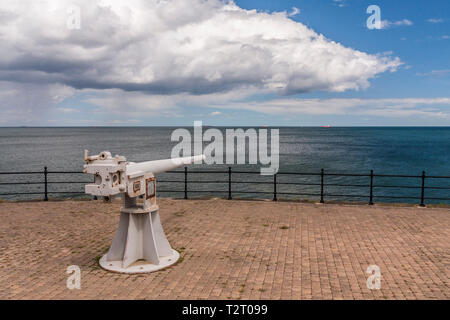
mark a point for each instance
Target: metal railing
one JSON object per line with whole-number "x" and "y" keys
{"x": 274, "y": 193}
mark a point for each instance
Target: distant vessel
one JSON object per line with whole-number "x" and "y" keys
{"x": 327, "y": 126}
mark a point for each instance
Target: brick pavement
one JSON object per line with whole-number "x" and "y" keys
{"x": 231, "y": 250}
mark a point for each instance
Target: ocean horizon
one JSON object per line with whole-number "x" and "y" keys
{"x": 386, "y": 150}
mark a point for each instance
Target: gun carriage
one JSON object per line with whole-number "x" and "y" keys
{"x": 139, "y": 244}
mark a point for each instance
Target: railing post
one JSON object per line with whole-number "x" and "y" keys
{"x": 422, "y": 197}
{"x": 185, "y": 182}
{"x": 275, "y": 187}
{"x": 45, "y": 185}
{"x": 371, "y": 188}
{"x": 321, "y": 185}
{"x": 229, "y": 183}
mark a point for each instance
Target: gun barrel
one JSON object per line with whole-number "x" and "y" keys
{"x": 160, "y": 166}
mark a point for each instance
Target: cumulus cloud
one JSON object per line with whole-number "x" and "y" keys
{"x": 147, "y": 57}
{"x": 385, "y": 24}
{"x": 173, "y": 47}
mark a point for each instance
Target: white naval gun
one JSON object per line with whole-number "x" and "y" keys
{"x": 139, "y": 244}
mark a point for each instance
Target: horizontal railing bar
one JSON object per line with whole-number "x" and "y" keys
{"x": 68, "y": 192}
{"x": 65, "y": 172}
{"x": 198, "y": 171}
{"x": 244, "y": 172}
{"x": 15, "y": 183}
{"x": 295, "y": 183}
{"x": 345, "y": 185}
{"x": 242, "y": 182}
{"x": 416, "y": 198}
{"x": 266, "y": 182}
{"x": 215, "y": 191}
{"x": 398, "y": 197}
{"x": 303, "y": 184}
{"x": 325, "y": 184}
{"x": 299, "y": 194}
{"x": 49, "y": 182}
{"x": 317, "y": 174}
{"x": 30, "y": 172}
{"x": 249, "y": 172}
{"x": 345, "y": 195}
{"x": 254, "y": 172}
{"x": 16, "y": 193}
{"x": 347, "y": 174}
{"x": 194, "y": 191}
{"x": 249, "y": 192}
{"x": 300, "y": 173}
{"x": 190, "y": 181}
{"x": 237, "y": 192}
{"x": 43, "y": 182}
{"x": 414, "y": 187}
{"x": 205, "y": 191}
{"x": 254, "y": 182}
{"x": 408, "y": 187}
{"x": 395, "y": 176}
{"x": 437, "y": 188}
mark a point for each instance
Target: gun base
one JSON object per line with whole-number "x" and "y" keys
{"x": 139, "y": 244}
{"x": 140, "y": 266}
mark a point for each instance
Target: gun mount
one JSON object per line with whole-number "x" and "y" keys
{"x": 139, "y": 244}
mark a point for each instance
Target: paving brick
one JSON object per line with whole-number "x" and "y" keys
{"x": 231, "y": 250}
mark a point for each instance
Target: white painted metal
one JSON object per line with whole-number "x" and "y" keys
{"x": 139, "y": 244}
{"x": 140, "y": 266}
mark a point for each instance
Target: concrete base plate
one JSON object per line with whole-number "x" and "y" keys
{"x": 140, "y": 266}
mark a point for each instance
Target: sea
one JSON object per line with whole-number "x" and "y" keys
{"x": 400, "y": 151}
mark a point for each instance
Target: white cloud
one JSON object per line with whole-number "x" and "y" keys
{"x": 385, "y": 24}
{"x": 128, "y": 121}
{"x": 295, "y": 11}
{"x": 216, "y": 113}
{"x": 68, "y": 110}
{"x": 30, "y": 102}
{"x": 439, "y": 73}
{"x": 435, "y": 20}
{"x": 393, "y": 108}
{"x": 174, "y": 47}
{"x": 340, "y": 3}
{"x": 140, "y": 103}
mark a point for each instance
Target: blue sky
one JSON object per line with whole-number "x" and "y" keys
{"x": 423, "y": 46}
{"x": 412, "y": 91}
